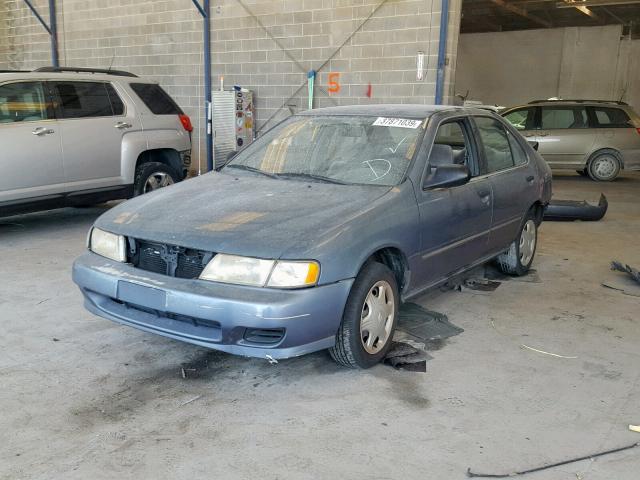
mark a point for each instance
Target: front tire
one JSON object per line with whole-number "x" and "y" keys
{"x": 369, "y": 319}
{"x": 604, "y": 167}
{"x": 518, "y": 259}
{"x": 153, "y": 176}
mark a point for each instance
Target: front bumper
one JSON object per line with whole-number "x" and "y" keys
{"x": 214, "y": 315}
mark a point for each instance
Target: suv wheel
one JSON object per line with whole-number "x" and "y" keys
{"x": 604, "y": 167}
{"x": 152, "y": 176}
{"x": 369, "y": 319}
{"x": 518, "y": 259}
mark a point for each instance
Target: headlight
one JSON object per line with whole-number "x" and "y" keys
{"x": 108, "y": 245}
{"x": 235, "y": 269}
{"x": 260, "y": 273}
{"x": 294, "y": 274}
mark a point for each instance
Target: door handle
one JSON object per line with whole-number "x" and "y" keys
{"x": 485, "y": 196}
{"x": 530, "y": 179}
{"x": 122, "y": 125}
{"x": 40, "y": 131}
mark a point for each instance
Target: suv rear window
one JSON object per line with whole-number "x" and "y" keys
{"x": 156, "y": 99}
{"x": 611, "y": 117}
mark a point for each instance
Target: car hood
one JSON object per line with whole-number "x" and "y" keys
{"x": 244, "y": 214}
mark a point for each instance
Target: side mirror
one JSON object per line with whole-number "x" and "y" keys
{"x": 447, "y": 176}
{"x": 535, "y": 145}
{"x": 230, "y": 155}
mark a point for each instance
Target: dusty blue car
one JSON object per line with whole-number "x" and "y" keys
{"x": 311, "y": 237}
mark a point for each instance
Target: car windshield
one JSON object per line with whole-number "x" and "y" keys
{"x": 336, "y": 149}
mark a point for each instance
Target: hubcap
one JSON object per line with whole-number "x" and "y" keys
{"x": 377, "y": 316}
{"x": 157, "y": 180}
{"x": 527, "y": 242}
{"x": 604, "y": 167}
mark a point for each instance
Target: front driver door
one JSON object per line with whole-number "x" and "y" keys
{"x": 30, "y": 145}
{"x": 454, "y": 221}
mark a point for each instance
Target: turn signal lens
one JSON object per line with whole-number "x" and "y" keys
{"x": 294, "y": 274}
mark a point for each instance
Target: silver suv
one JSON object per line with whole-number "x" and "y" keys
{"x": 594, "y": 137}
{"x": 71, "y": 137}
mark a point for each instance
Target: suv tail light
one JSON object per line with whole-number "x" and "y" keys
{"x": 186, "y": 122}
{"x": 638, "y": 130}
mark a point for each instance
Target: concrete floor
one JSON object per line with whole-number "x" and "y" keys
{"x": 81, "y": 397}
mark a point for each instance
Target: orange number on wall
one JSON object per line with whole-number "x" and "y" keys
{"x": 334, "y": 84}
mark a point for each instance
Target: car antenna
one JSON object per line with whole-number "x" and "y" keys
{"x": 112, "y": 58}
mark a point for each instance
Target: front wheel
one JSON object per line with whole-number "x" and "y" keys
{"x": 518, "y": 259}
{"x": 152, "y": 176}
{"x": 369, "y": 319}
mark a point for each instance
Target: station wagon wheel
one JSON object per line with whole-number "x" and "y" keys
{"x": 517, "y": 260}
{"x": 152, "y": 176}
{"x": 369, "y": 319}
{"x": 604, "y": 167}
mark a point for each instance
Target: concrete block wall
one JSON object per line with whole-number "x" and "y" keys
{"x": 264, "y": 45}
{"x": 509, "y": 68}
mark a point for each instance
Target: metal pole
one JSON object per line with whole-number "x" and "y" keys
{"x": 53, "y": 26}
{"x": 207, "y": 83}
{"x": 442, "y": 51}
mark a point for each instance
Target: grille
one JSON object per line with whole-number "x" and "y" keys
{"x": 169, "y": 260}
{"x": 264, "y": 336}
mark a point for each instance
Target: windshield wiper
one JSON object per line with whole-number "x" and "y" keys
{"x": 311, "y": 176}
{"x": 250, "y": 169}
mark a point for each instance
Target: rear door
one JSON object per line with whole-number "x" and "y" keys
{"x": 93, "y": 119}
{"x": 512, "y": 179}
{"x": 564, "y": 137}
{"x": 30, "y": 144}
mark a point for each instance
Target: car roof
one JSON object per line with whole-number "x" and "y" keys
{"x": 6, "y": 76}
{"x": 392, "y": 110}
{"x": 572, "y": 103}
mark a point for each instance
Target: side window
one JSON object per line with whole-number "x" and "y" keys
{"x": 564, "y": 117}
{"x": 23, "y": 102}
{"x": 156, "y": 99}
{"x": 83, "y": 99}
{"x": 519, "y": 155}
{"x": 611, "y": 118}
{"x": 116, "y": 102}
{"x": 453, "y": 135}
{"x": 497, "y": 150}
{"x": 521, "y": 119}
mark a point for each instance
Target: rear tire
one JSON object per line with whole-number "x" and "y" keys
{"x": 518, "y": 259}
{"x": 153, "y": 176}
{"x": 604, "y": 167}
{"x": 369, "y": 319}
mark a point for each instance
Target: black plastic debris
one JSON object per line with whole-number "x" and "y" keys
{"x": 620, "y": 267}
{"x": 403, "y": 356}
{"x": 568, "y": 210}
{"x": 424, "y": 325}
{"x": 419, "y": 330}
{"x": 481, "y": 284}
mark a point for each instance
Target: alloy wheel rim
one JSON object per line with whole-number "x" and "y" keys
{"x": 157, "y": 180}
{"x": 377, "y": 317}
{"x": 604, "y": 167}
{"x": 527, "y": 242}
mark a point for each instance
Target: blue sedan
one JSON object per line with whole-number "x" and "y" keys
{"x": 310, "y": 237}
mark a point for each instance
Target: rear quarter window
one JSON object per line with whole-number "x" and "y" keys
{"x": 156, "y": 99}
{"x": 611, "y": 118}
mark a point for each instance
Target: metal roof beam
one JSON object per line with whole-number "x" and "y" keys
{"x": 522, "y": 12}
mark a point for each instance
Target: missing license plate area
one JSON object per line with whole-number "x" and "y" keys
{"x": 140, "y": 295}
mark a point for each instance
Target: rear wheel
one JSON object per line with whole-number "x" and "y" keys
{"x": 518, "y": 259}
{"x": 153, "y": 176}
{"x": 369, "y": 319}
{"x": 604, "y": 167}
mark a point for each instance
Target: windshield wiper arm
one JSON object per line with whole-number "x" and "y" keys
{"x": 251, "y": 169}
{"x": 313, "y": 177}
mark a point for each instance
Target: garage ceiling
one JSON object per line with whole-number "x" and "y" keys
{"x": 506, "y": 15}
